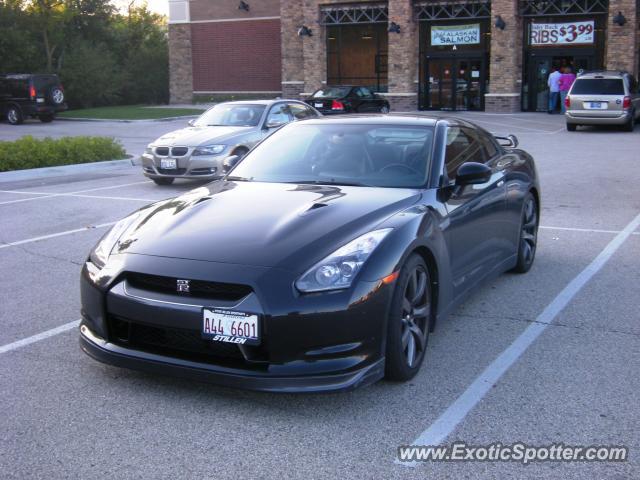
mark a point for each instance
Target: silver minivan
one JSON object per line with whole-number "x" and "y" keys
{"x": 603, "y": 98}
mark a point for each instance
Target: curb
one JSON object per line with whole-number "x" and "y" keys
{"x": 166, "y": 119}
{"x": 33, "y": 173}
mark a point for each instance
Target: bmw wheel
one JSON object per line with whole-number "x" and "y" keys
{"x": 528, "y": 235}
{"x": 384, "y": 109}
{"x": 409, "y": 321}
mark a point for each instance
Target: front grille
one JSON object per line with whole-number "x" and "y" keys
{"x": 203, "y": 171}
{"x": 197, "y": 288}
{"x": 162, "y": 151}
{"x": 179, "y": 151}
{"x": 176, "y": 342}
{"x": 172, "y": 171}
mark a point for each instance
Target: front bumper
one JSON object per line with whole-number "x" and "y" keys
{"x": 309, "y": 343}
{"x": 112, "y": 354}
{"x": 588, "y": 117}
{"x": 196, "y": 168}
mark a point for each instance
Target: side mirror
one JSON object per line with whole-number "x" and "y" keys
{"x": 273, "y": 124}
{"x": 191, "y": 122}
{"x": 471, "y": 173}
{"x": 230, "y": 162}
{"x": 510, "y": 141}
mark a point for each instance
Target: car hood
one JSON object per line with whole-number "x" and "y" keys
{"x": 196, "y": 136}
{"x": 261, "y": 224}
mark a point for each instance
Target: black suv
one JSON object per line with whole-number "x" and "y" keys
{"x": 28, "y": 95}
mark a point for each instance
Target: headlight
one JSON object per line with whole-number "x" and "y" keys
{"x": 209, "y": 150}
{"x": 149, "y": 149}
{"x": 100, "y": 254}
{"x": 340, "y": 268}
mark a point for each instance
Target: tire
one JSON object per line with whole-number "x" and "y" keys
{"x": 14, "y": 115}
{"x": 631, "y": 124}
{"x": 47, "y": 118}
{"x": 409, "y": 322}
{"x": 571, "y": 127}
{"x": 240, "y": 151}
{"x": 528, "y": 238}
{"x": 163, "y": 181}
{"x": 384, "y": 109}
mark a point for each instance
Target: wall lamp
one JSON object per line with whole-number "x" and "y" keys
{"x": 243, "y": 6}
{"x": 304, "y": 31}
{"x": 394, "y": 27}
{"x": 619, "y": 19}
{"x": 500, "y": 23}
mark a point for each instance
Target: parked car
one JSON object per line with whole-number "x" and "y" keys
{"x": 347, "y": 99}
{"x": 227, "y": 129}
{"x": 30, "y": 95}
{"x": 320, "y": 262}
{"x": 603, "y": 98}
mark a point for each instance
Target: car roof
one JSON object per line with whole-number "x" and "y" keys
{"x": 604, "y": 74}
{"x": 381, "y": 119}
{"x": 260, "y": 102}
{"x": 22, "y": 76}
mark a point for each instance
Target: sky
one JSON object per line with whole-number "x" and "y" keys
{"x": 157, "y": 6}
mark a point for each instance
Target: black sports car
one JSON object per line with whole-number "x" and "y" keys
{"x": 320, "y": 262}
{"x": 347, "y": 99}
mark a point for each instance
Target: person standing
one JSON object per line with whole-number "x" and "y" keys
{"x": 566, "y": 80}
{"x": 554, "y": 88}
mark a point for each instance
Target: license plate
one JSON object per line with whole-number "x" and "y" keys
{"x": 318, "y": 105}
{"x": 596, "y": 105}
{"x": 168, "y": 163}
{"x": 229, "y": 326}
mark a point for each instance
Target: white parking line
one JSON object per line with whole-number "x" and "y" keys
{"x": 446, "y": 423}
{"x": 148, "y": 200}
{"x": 61, "y": 194}
{"x": 40, "y": 336}
{"x": 54, "y": 235}
{"x": 586, "y": 230}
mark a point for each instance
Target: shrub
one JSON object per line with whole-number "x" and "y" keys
{"x": 29, "y": 152}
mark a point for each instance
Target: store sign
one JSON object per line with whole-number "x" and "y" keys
{"x": 574, "y": 33}
{"x": 455, "y": 35}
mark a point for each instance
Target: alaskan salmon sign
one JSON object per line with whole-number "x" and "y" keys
{"x": 455, "y": 34}
{"x": 574, "y": 33}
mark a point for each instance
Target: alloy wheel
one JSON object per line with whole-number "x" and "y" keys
{"x": 529, "y": 234}
{"x": 12, "y": 116}
{"x": 415, "y": 316}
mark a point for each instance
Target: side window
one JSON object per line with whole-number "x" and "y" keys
{"x": 279, "y": 114}
{"x": 366, "y": 92}
{"x": 300, "y": 112}
{"x": 489, "y": 145}
{"x": 463, "y": 145}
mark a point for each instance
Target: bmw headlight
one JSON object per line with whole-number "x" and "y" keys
{"x": 209, "y": 150}
{"x": 100, "y": 254}
{"x": 340, "y": 268}
{"x": 149, "y": 149}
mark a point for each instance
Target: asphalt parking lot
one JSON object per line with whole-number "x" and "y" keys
{"x": 133, "y": 135}
{"x": 550, "y": 356}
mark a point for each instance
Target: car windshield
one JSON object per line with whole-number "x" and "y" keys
{"x": 598, "y": 86}
{"x": 332, "y": 92}
{"x": 341, "y": 154}
{"x": 231, "y": 115}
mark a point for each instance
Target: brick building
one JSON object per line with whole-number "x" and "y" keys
{"x": 492, "y": 55}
